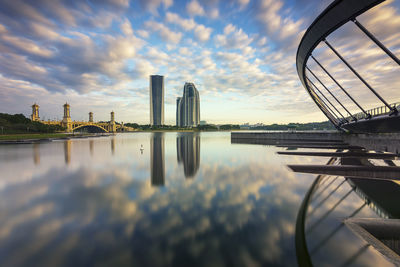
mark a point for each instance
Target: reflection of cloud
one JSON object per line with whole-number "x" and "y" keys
{"x": 110, "y": 214}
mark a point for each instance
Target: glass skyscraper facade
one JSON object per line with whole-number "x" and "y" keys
{"x": 156, "y": 100}
{"x": 188, "y": 107}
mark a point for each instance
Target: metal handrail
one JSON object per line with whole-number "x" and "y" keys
{"x": 375, "y": 112}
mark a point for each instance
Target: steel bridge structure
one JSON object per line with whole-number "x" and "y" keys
{"x": 382, "y": 119}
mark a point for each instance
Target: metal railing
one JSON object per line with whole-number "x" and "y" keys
{"x": 375, "y": 112}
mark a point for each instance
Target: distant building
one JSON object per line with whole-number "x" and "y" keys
{"x": 203, "y": 122}
{"x": 156, "y": 100}
{"x": 188, "y": 107}
{"x": 35, "y": 112}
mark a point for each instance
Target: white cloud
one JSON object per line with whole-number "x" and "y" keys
{"x": 126, "y": 27}
{"x": 195, "y": 9}
{"x": 153, "y": 5}
{"x": 233, "y": 38}
{"x": 143, "y": 33}
{"x": 165, "y": 33}
{"x": 201, "y": 32}
{"x": 214, "y": 13}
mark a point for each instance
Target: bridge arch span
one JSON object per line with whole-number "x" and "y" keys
{"x": 345, "y": 110}
{"x": 92, "y": 128}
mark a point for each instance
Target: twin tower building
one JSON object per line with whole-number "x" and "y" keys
{"x": 187, "y": 106}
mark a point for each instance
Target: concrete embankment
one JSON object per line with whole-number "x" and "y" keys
{"x": 46, "y": 140}
{"x": 324, "y": 136}
{"x": 314, "y": 139}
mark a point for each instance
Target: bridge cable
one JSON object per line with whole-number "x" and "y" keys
{"x": 376, "y": 41}
{"x": 351, "y": 115}
{"x": 341, "y": 87}
{"x": 327, "y": 101}
{"x": 393, "y": 109}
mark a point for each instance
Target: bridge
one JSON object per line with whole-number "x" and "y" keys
{"x": 90, "y": 125}
{"x": 337, "y": 102}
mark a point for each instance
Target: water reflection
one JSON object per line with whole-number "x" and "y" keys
{"x": 67, "y": 151}
{"x": 157, "y": 159}
{"x": 239, "y": 211}
{"x": 91, "y": 146}
{"x": 188, "y": 152}
{"x": 36, "y": 154}
{"x": 113, "y": 145}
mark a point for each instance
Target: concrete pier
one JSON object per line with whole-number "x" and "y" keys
{"x": 376, "y": 142}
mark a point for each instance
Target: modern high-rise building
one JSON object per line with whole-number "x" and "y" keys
{"x": 156, "y": 100}
{"x": 188, "y": 107}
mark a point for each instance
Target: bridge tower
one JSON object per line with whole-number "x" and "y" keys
{"x": 90, "y": 116}
{"x": 112, "y": 126}
{"x": 35, "y": 112}
{"x": 67, "y": 122}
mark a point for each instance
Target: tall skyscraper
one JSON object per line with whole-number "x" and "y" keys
{"x": 156, "y": 100}
{"x": 188, "y": 107}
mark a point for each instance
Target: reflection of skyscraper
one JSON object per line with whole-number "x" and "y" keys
{"x": 188, "y": 107}
{"x": 157, "y": 159}
{"x": 156, "y": 100}
{"x": 188, "y": 152}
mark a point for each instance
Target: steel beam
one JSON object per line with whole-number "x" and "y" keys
{"x": 394, "y": 110}
{"x": 377, "y": 42}
{"x": 327, "y": 100}
{"x": 341, "y": 87}
{"x": 315, "y": 76}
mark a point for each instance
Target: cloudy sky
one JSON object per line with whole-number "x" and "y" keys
{"x": 98, "y": 56}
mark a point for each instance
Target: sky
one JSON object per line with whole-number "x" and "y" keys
{"x": 240, "y": 54}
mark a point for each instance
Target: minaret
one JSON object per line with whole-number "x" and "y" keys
{"x": 35, "y": 112}
{"x": 67, "y": 122}
{"x": 112, "y": 126}
{"x": 90, "y": 116}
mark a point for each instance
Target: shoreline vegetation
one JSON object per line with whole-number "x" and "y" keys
{"x": 18, "y": 128}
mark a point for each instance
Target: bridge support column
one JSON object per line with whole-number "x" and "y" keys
{"x": 35, "y": 112}
{"x": 90, "y": 116}
{"x": 67, "y": 122}
{"x": 112, "y": 127}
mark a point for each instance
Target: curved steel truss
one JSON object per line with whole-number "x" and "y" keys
{"x": 384, "y": 118}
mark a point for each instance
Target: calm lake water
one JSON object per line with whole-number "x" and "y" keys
{"x": 185, "y": 199}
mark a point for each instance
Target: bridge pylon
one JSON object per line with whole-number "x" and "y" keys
{"x": 112, "y": 127}
{"x": 35, "y": 112}
{"x": 90, "y": 116}
{"x": 66, "y": 121}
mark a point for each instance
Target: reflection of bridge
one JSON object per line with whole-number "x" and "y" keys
{"x": 337, "y": 108}
{"x": 72, "y": 126}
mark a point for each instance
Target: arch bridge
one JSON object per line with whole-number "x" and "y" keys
{"x": 71, "y": 126}
{"x": 338, "y": 102}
